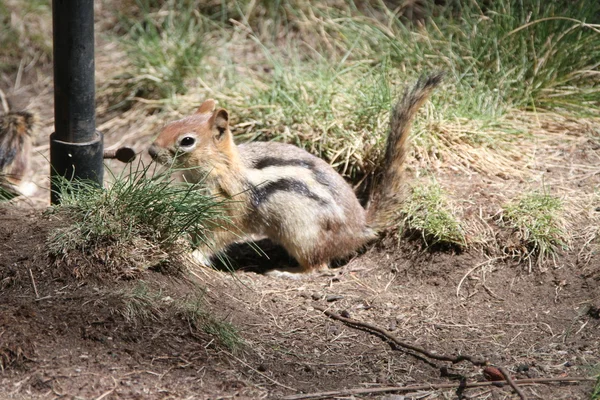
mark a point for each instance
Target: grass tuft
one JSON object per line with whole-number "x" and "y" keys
{"x": 140, "y": 303}
{"x": 429, "y": 215}
{"x": 135, "y": 224}
{"x": 537, "y": 220}
{"x": 145, "y": 303}
{"x": 224, "y": 332}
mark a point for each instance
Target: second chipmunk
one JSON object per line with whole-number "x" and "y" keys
{"x": 15, "y": 152}
{"x": 284, "y": 193}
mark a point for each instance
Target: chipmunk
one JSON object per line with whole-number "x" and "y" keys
{"x": 15, "y": 151}
{"x": 285, "y": 193}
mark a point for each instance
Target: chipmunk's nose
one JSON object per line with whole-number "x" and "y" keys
{"x": 153, "y": 151}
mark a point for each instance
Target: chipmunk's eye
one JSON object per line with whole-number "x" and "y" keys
{"x": 187, "y": 141}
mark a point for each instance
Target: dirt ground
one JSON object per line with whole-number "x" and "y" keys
{"x": 66, "y": 338}
{"x": 63, "y": 338}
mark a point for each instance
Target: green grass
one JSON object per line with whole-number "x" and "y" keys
{"x": 428, "y": 213}
{"x": 7, "y": 192}
{"x": 324, "y": 76}
{"x": 136, "y": 223}
{"x": 596, "y": 390}
{"x": 223, "y": 331}
{"x": 313, "y": 107}
{"x": 146, "y": 303}
{"x": 165, "y": 47}
{"x": 509, "y": 53}
{"x": 140, "y": 304}
{"x": 538, "y": 220}
{"x": 514, "y": 53}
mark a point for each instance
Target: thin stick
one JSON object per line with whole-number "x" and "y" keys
{"x": 512, "y": 383}
{"x": 388, "y": 335}
{"x": 37, "y": 296}
{"x": 471, "y": 270}
{"x": 258, "y": 372}
{"x": 414, "y": 388}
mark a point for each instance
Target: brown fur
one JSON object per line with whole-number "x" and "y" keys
{"x": 15, "y": 147}
{"x": 281, "y": 191}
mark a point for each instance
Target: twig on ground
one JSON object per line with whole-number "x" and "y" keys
{"x": 388, "y": 335}
{"x": 473, "y": 269}
{"x": 491, "y": 293}
{"x": 512, "y": 383}
{"x": 108, "y": 392}
{"x": 258, "y": 372}
{"x": 37, "y": 295}
{"x": 404, "y": 389}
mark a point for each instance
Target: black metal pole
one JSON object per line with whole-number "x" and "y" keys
{"x": 76, "y": 148}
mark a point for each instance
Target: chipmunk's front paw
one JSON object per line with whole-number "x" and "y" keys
{"x": 201, "y": 258}
{"x": 288, "y": 273}
{"x": 298, "y": 272}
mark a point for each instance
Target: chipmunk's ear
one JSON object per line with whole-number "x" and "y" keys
{"x": 207, "y": 107}
{"x": 220, "y": 123}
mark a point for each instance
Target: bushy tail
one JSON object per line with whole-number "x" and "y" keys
{"x": 387, "y": 192}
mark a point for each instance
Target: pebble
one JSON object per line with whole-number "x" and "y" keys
{"x": 522, "y": 368}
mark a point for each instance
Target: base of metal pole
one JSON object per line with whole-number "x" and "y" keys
{"x": 87, "y": 156}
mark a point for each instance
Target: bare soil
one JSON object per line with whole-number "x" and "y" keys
{"x": 61, "y": 337}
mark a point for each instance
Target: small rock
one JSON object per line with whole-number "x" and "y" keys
{"x": 522, "y": 368}
{"x": 333, "y": 297}
{"x": 532, "y": 373}
{"x": 316, "y": 296}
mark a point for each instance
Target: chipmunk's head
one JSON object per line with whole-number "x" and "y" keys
{"x": 202, "y": 141}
